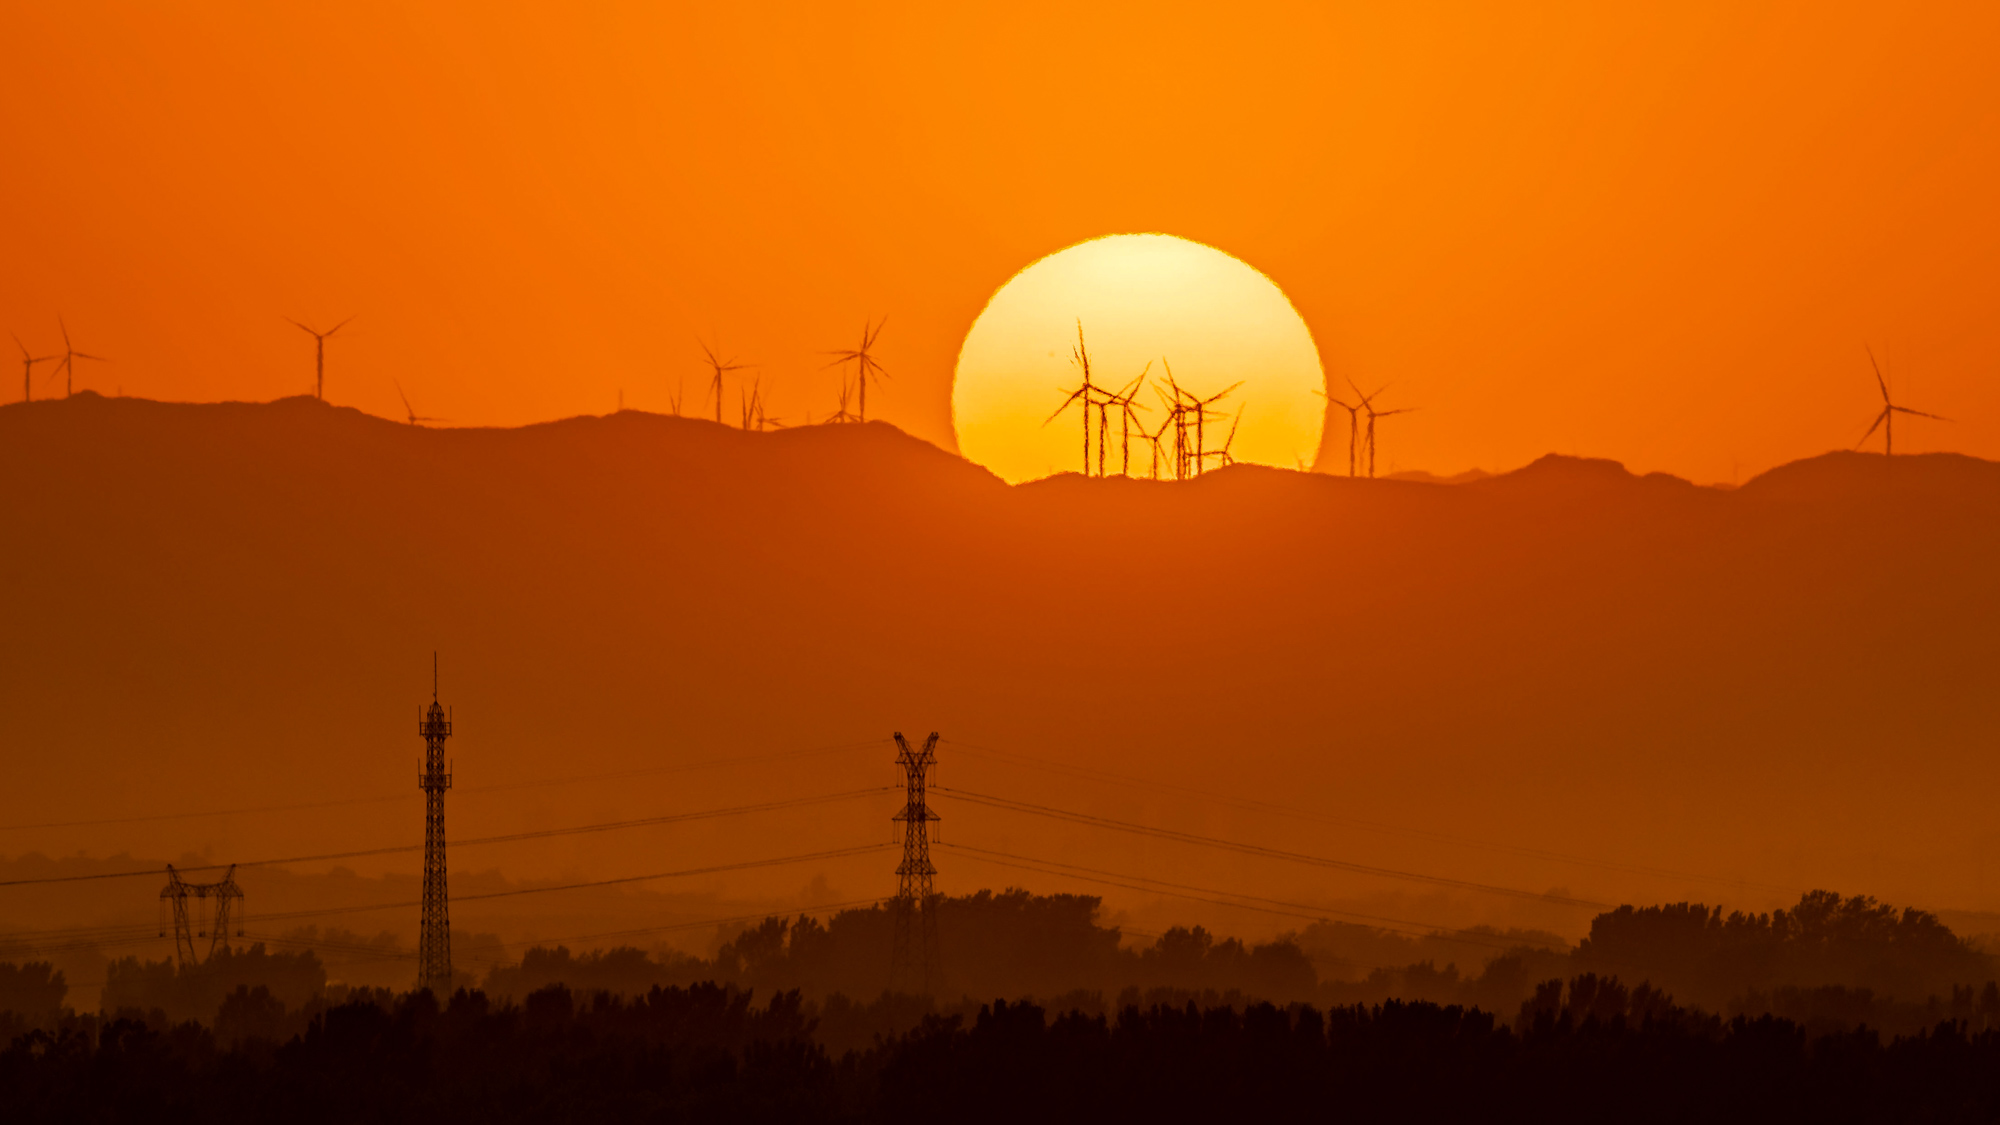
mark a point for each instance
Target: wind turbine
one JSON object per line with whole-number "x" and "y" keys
{"x": 1088, "y": 393}
{"x": 864, "y": 363}
{"x": 407, "y": 409}
{"x": 1353, "y": 424}
{"x": 28, "y": 363}
{"x": 753, "y": 407}
{"x": 1368, "y": 405}
{"x": 69, "y": 357}
{"x": 715, "y": 386}
{"x": 844, "y": 414}
{"x": 319, "y": 353}
{"x": 1886, "y": 421}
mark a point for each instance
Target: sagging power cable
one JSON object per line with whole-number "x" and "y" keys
{"x": 1262, "y": 851}
{"x": 605, "y": 826}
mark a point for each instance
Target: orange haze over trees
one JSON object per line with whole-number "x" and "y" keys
{"x": 1661, "y": 235}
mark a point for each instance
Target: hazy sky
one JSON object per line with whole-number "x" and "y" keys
{"x": 1657, "y": 233}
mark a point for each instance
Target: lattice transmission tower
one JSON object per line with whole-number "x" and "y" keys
{"x": 434, "y": 944}
{"x": 227, "y": 912}
{"x": 913, "y": 958}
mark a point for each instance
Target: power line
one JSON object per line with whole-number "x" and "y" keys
{"x": 606, "y": 826}
{"x": 543, "y": 783}
{"x": 75, "y": 940}
{"x": 1265, "y": 852}
{"x": 1012, "y": 757}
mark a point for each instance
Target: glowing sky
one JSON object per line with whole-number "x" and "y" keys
{"x": 1661, "y": 234}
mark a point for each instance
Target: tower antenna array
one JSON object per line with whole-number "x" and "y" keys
{"x": 228, "y": 910}
{"x": 434, "y": 944}
{"x": 915, "y": 951}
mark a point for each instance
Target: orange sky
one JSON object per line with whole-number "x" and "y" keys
{"x": 1661, "y": 237}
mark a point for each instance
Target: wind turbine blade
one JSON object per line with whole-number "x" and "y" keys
{"x": 336, "y": 327}
{"x": 1879, "y": 419}
{"x": 65, "y": 332}
{"x": 1063, "y": 407}
{"x": 99, "y": 358}
{"x": 406, "y": 398}
{"x": 290, "y": 321}
{"x": 1879, "y": 381}
{"x": 1919, "y": 413}
{"x": 23, "y": 347}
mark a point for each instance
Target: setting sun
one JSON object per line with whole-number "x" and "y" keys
{"x": 1141, "y": 299}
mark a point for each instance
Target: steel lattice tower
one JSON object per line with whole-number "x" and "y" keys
{"x": 227, "y": 912}
{"x": 434, "y": 945}
{"x": 915, "y": 952}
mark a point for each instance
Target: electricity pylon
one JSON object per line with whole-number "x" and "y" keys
{"x": 915, "y": 951}
{"x": 434, "y": 945}
{"x": 227, "y": 897}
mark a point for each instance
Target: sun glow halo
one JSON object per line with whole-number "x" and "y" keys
{"x": 1141, "y": 298}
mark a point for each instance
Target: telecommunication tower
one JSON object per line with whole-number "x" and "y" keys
{"x": 913, "y": 958}
{"x": 434, "y": 944}
{"x": 228, "y": 911}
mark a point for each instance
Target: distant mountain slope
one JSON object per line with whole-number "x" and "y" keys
{"x": 1786, "y": 685}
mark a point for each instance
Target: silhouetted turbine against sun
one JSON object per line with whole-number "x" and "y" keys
{"x": 1353, "y": 424}
{"x": 1088, "y": 393}
{"x": 865, "y": 366}
{"x": 69, "y": 357}
{"x": 319, "y": 353}
{"x": 1368, "y": 406}
{"x": 1886, "y": 421}
{"x": 28, "y": 363}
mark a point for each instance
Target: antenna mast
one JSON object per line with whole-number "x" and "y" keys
{"x": 434, "y": 945}
{"x": 915, "y": 952}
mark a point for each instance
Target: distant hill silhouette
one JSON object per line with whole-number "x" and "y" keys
{"x": 1780, "y": 686}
